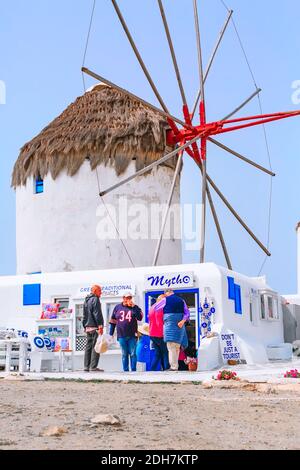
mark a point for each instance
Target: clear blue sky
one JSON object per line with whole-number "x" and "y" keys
{"x": 41, "y": 51}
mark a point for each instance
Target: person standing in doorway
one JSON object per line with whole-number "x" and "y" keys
{"x": 176, "y": 313}
{"x": 93, "y": 326}
{"x": 156, "y": 329}
{"x": 125, "y": 317}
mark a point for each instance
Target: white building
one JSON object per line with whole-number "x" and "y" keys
{"x": 62, "y": 224}
{"x": 244, "y": 315}
{"x": 292, "y": 305}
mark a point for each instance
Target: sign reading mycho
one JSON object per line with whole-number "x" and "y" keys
{"x": 169, "y": 280}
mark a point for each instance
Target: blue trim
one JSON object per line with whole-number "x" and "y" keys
{"x": 234, "y": 293}
{"x": 179, "y": 291}
{"x": 31, "y": 294}
{"x": 231, "y": 288}
{"x": 238, "y": 300}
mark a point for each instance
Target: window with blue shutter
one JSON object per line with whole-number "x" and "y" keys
{"x": 39, "y": 185}
{"x": 31, "y": 294}
{"x": 234, "y": 293}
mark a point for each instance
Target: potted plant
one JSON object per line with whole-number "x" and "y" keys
{"x": 292, "y": 374}
{"x": 192, "y": 363}
{"x": 226, "y": 375}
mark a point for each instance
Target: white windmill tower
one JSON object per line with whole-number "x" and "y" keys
{"x": 62, "y": 225}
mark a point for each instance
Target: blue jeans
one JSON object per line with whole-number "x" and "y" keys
{"x": 128, "y": 346}
{"x": 161, "y": 355}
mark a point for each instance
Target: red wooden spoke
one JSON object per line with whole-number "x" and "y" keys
{"x": 176, "y": 135}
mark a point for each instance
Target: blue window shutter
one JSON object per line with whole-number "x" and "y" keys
{"x": 31, "y": 294}
{"x": 231, "y": 288}
{"x": 238, "y": 300}
{"x": 39, "y": 185}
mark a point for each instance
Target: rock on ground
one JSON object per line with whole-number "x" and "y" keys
{"x": 106, "y": 419}
{"x": 54, "y": 431}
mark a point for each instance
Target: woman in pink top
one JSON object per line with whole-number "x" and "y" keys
{"x": 156, "y": 331}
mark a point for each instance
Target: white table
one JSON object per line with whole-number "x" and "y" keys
{"x": 23, "y": 348}
{"x": 62, "y": 359}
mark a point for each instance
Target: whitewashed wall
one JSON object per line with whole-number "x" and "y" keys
{"x": 251, "y": 337}
{"x": 57, "y": 230}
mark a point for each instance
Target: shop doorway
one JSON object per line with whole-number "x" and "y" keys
{"x": 191, "y": 297}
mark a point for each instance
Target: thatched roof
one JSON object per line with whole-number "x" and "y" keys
{"x": 103, "y": 125}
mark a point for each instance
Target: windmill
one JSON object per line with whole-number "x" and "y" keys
{"x": 192, "y": 138}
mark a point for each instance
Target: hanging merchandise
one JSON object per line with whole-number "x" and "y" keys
{"x": 50, "y": 311}
{"x": 207, "y": 311}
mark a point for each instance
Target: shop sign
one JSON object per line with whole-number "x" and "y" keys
{"x": 108, "y": 290}
{"x": 169, "y": 281}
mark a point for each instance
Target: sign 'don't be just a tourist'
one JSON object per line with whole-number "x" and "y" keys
{"x": 169, "y": 281}
{"x": 229, "y": 347}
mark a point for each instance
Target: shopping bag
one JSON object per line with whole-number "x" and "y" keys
{"x": 103, "y": 343}
{"x": 98, "y": 345}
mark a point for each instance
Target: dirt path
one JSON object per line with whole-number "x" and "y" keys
{"x": 154, "y": 416}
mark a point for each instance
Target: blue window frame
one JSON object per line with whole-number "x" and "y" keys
{"x": 234, "y": 293}
{"x": 39, "y": 185}
{"x": 178, "y": 291}
{"x": 31, "y": 294}
{"x": 231, "y": 288}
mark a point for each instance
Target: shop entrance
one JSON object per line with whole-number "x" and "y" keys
{"x": 191, "y": 297}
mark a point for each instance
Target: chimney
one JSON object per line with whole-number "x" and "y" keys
{"x": 298, "y": 255}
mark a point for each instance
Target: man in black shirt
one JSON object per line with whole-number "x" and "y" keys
{"x": 93, "y": 326}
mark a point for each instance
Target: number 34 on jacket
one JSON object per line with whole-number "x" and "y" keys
{"x": 126, "y": 319}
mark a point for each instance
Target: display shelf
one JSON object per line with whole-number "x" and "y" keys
{"x": 53, "y": 320}
{"x": 58, "y": 330}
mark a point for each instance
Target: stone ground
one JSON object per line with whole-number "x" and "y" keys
{"x": 153, "y": 416}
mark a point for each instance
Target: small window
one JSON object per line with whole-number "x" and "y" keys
{"x": 251, "y": 311}
{"x": 262, "y": 307}
{"x": 79, "y": 318}
{"x": 270, "y": 307}
{"x": 63, "y": 302}
{"x": 275, "y": 308}
{"x": 39, "y": 185}
{"x": 109, "y": 310}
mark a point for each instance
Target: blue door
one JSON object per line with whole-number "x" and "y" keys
{"x": 191, "y": 297}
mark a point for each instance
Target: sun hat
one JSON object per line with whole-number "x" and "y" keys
{"x": 144, "y": 329}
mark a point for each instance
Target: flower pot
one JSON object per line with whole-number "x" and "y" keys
{"x": 193, "y": 366}
{"x": 232, "y": 362}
